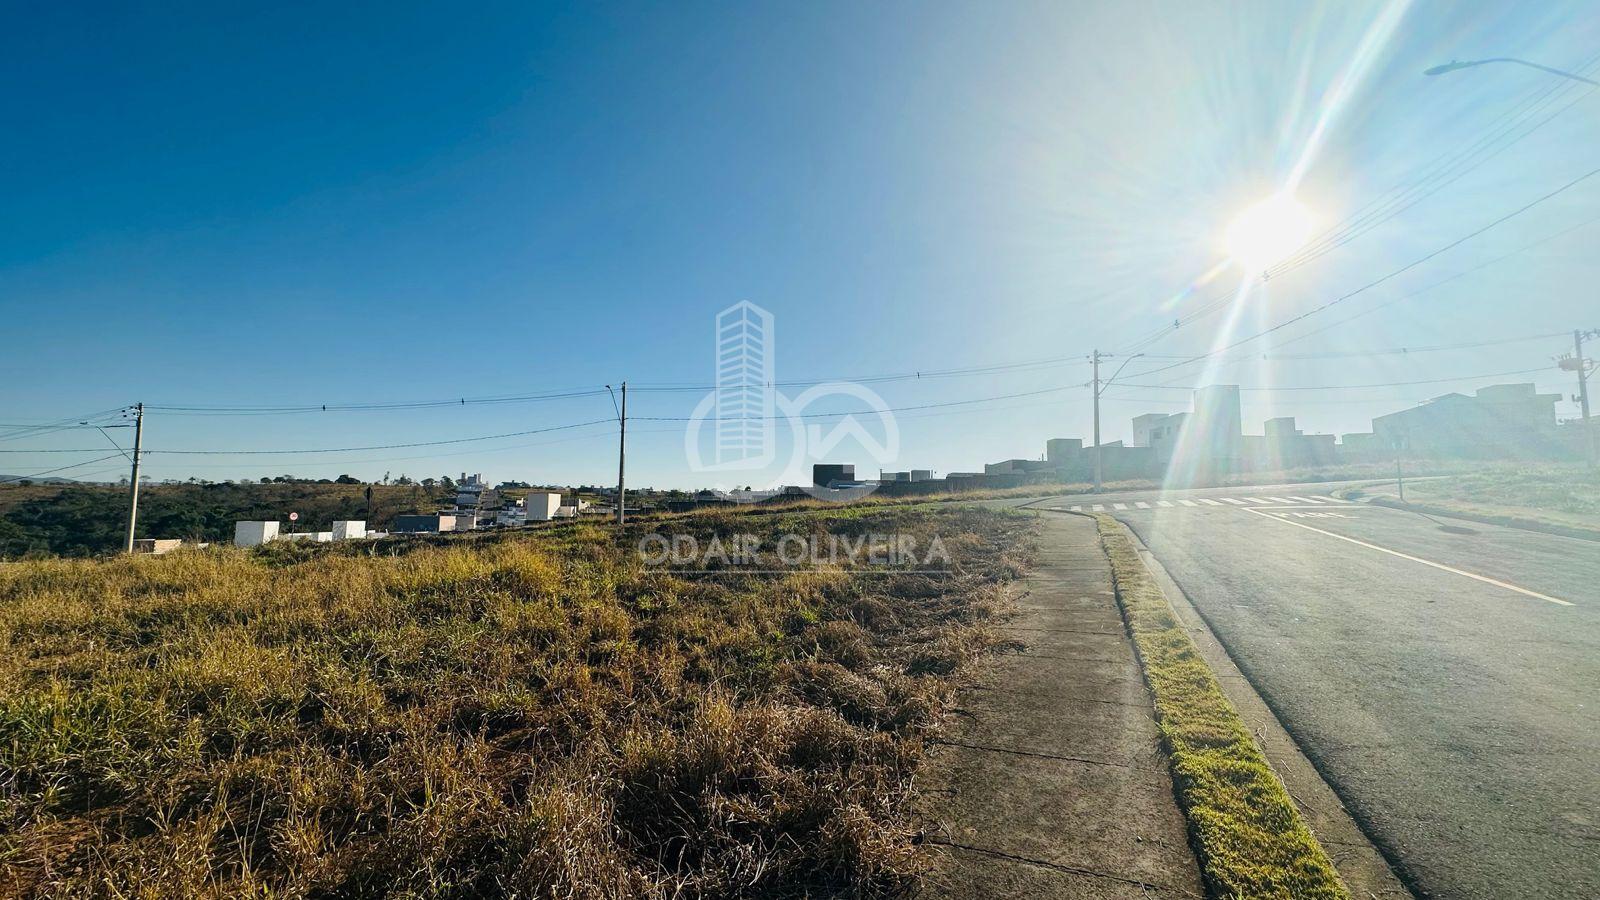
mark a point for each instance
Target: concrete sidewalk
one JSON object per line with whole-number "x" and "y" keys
{"x": 1051, "y": 781}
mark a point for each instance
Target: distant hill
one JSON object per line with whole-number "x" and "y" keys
{"x": 71, "y": 519}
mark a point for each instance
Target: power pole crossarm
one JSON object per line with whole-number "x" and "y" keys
{"x": 133, "y": 489}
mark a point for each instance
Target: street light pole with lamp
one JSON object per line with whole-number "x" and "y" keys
{"x": 1098, "y": 390}
{"x": 1454, "y": 65}
{"x": 1576, "y": 362}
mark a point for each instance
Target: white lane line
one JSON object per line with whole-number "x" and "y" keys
{"x": 1258, "y": 500}
{"x": 1234, "y": 502}
{"x": 1335, "y": 499}
{"x": 1280, "y": 499}
{"x": 1427, "y": 562}
{"x": 1077, "y": 509}
{"x": 1164, "y": 504}
{"x": 1209, "y": 502}
{"x": 1141, "y": 504}
{"x": 1188, "y": 503}
{"x": 1119, "y": 506}
{"x": 1098, "y": 508}
{"x": 1305, "y": 499}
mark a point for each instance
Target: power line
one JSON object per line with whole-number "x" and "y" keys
{"x": 80, "y": 465}
{"x": 865, "y": 412}
{"x": 1345, "y": 387}
{"x": 1451, "y": 170}
{"x": 1374, "y": 283}
{"x": 487, "y": 437}
{"x": 1363, "y": 220}
{"x": 378, "y": 406}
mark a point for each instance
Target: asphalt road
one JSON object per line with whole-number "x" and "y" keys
{"x": 1444, "y": 676}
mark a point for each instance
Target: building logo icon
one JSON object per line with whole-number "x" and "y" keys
{"x": 766, "y": 436}
{"x": 745, "y": 394}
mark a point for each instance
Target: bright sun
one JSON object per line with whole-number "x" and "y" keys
{"x": 1269, "y": 232}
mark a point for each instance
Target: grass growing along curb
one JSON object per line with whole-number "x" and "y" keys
{"x": 1251, "y": 840}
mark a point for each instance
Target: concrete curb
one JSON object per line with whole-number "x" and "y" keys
{"x": 1365, "y": 870}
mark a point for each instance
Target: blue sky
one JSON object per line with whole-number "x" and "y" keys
{"x": 293, "y": 204}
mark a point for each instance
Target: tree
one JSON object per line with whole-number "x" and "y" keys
{"x": 429, "y": 482}
{"x": 346, "y": 479}
{"x": 404, "y": 479}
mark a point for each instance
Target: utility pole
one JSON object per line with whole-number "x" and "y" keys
{"x": 133, "y": 489}
{"x": 1096, "y": 386}
{"x": 622, "y": 457}
{"x": 1578, "y": 337}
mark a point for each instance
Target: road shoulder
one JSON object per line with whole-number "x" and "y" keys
{"x": 1051, "y": 781}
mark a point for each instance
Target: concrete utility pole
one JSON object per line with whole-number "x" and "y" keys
{"x": 133, "y": 489}
{"x": 1098, "y": 389}
{"x": 1578, "y": 337}
{"x": 622, "y": 457}
{"x": 1096, "y": 386}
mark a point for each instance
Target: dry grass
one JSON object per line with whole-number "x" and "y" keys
{"x": 525, "y": 715}
{"x": 1251, "y": 840}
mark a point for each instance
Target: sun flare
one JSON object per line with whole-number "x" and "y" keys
{"x": 1269, "y": 232}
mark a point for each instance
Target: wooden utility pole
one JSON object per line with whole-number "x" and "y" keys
{"x": 133, "y": 489}
{"x": 622, "y": 457}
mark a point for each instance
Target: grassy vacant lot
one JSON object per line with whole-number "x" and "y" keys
{"x": 1563, "y": 495}
{"x": 529, "y": 714}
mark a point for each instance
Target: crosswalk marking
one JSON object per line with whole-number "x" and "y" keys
{"x": 1219, "y": 502}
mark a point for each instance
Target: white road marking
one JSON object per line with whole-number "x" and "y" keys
{"x": 1077, "y": 509}
{"x": 1234, "y": 502}
{"x": 1188, "y": 503}
{"x": 1258, "y": 500}
{"x": 1119, "y": 506}
{"x": 1164, "y": 504}
{"x": 1427, "y": 562}
{"x": 1141, "y": 504}
{"x": 1098, "y": 508}
{"x": 1335, "y": 499}
{"x": 1209, "y": 502}
{"x": 1281, "y": 500}
{"x": 1305, "y": 499}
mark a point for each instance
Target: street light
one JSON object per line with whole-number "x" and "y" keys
{"x": 1453, "y": 65}
{"x": 1100, "y": 388}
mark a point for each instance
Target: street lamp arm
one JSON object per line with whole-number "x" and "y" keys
{"x": 1107, "y": 383}
{"x": 1454, "y": 65}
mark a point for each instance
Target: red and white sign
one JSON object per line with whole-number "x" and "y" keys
{"x": 294, "y": 517}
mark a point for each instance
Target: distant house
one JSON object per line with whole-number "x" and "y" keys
{"x": 1502, "y": 421}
